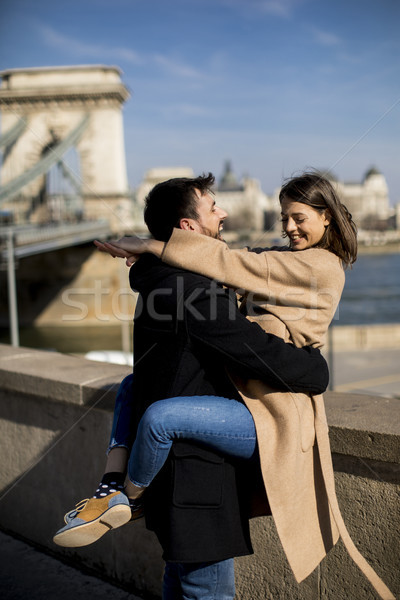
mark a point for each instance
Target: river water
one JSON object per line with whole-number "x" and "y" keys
{"x": 372, "y": 291}
{"x": 371, "y": 295}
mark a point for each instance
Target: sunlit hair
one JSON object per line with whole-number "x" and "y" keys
{"x": 170, "y": 201}
{"x": 315, "y": 190}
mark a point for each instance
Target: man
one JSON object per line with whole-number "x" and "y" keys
{"x": 187, "y": 332}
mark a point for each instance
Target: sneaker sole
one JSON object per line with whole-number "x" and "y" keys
{"x": 87, "y": 533}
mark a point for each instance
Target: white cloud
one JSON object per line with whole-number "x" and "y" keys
{"x": 277, "y": 8}
{"x": 325, "y": 38}
{"x": 351, "y": 59}
{"x": 193, "y": 110}
{"x": 75, "y": 47}
{"x": 175, "y": 112}
{"x": 177, "y": 68}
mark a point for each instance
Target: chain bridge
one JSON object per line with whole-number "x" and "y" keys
{"x": 63, "y": 171}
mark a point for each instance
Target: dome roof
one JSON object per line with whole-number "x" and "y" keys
{"x": 372, "y": 171}
{"x": 228, "y": 182}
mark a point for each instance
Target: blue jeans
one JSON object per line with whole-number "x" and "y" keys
{"x": 121, "y": 436}
{"x": 204, "y": 581}
{"x": 218, "y": 423}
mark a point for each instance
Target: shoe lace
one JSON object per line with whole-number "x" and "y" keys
{"x": 78, "y": 507}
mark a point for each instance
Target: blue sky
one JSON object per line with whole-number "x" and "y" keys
{"x": 275, "y": 86}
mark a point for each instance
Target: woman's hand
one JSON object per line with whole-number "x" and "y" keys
{"x": 130, "y": 248}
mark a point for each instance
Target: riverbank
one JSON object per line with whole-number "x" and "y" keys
{"x": 368, "y": 242}
{"x": 384, "y": 249}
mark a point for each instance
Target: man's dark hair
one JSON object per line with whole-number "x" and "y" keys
{"x": 170, "y": 201}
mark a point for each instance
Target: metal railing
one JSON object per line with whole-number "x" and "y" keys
{"x": 20, "y": 241}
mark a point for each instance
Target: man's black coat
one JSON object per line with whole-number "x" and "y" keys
{"x": 187, "y": 332}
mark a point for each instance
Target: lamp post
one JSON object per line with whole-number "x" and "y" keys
{"x": 12, "y": 290}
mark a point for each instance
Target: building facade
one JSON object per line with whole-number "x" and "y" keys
{"x": 250, "y": 209}
{"x": 368, "y": 200}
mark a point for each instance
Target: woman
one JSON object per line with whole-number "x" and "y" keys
{"x": 293, "y": 293}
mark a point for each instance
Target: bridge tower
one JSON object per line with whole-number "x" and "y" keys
{"x": 45, "y": 112}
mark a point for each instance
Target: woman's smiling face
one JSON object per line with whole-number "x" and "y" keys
{"x": 303, "y": 224}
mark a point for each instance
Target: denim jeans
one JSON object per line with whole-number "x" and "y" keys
{"x": 121, "y": 436}
{"x": 204, "y": 581}
{"x": 221, "y": 424}
{"x": 218, "y": 423}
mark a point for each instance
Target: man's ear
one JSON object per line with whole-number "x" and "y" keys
{"x": 186, "y": 224}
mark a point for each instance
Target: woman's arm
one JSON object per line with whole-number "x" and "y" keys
{"x": 290, "y": 279}
{"x": 238, "y": 269}
{"x": 304, "y": 279}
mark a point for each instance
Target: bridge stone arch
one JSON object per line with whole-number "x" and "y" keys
{"x": 60, "y": 108}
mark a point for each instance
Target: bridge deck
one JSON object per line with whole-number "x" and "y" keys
{"x": 29, "y": 240}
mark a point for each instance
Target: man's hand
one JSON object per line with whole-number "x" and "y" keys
{"x": 130, "y": 248}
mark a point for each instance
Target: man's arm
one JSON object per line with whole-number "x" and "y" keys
{"x": 214, "y": 321}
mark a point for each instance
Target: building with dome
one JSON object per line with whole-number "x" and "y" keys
{"x": 249, "y": 208}
{"x": 368, "y": 200}
{"x": 252, "y": 210}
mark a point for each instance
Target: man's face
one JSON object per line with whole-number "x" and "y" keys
{"x": 211, "y": 216}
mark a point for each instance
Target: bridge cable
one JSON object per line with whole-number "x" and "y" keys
{"x": 11, "y": 136}
{"x": 12, "y": 188}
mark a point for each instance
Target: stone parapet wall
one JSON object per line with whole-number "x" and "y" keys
{"x": 365, "y": 337}
{"x": 55, "y": 418}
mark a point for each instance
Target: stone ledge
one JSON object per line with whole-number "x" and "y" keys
{"x": 56, "y": 376}
{"x": 47, "y": 432}
{"x": 384, "y": 472}
{"x": 362, "y": 426}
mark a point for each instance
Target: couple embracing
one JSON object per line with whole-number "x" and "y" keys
{"x": 223, "y": 397}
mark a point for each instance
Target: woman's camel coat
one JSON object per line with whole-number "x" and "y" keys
{"x": 293, "y": 295}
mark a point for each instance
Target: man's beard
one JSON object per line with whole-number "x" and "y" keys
{"x": 205, "y": 231}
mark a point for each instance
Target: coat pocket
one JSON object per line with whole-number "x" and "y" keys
{"x": 198, "y": 477}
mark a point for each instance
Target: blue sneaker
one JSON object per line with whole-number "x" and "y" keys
{"x": 92, "y": 518}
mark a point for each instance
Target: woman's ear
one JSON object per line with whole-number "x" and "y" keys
{"x": 327, "y": 218}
